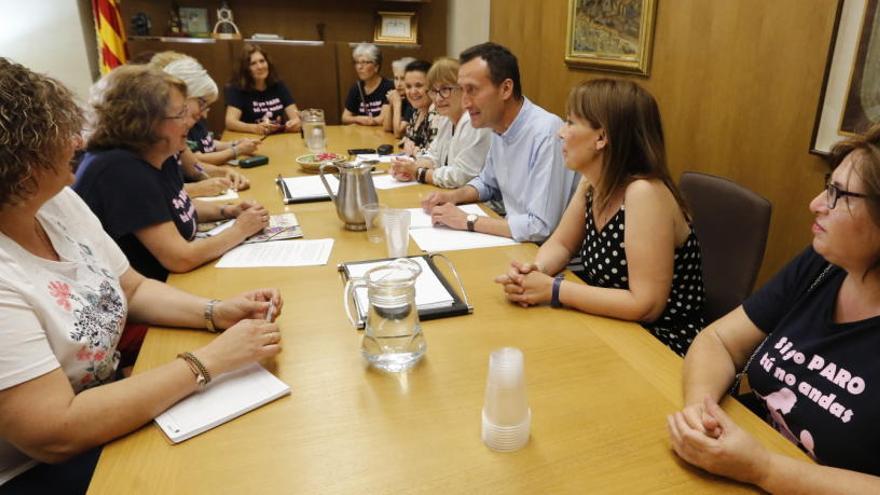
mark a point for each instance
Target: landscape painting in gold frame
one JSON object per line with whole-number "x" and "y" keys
{"x": 397, "y": 27}
{"x": 613, "y": 35}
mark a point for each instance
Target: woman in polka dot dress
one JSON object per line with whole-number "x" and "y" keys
{"x": 627, "y": 221}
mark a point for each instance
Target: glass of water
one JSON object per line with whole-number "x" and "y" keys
{"x": 313, "y": 130}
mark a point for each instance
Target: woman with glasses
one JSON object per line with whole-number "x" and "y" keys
{"x": 807, "y": 341}
{"x": 201, "y": 94}
{"x": 201, "y": 159}
{"x": 257, "y": 101}
{"x": 458, "y": 151}
{"x": 66, "y": 290}
{"x": 367, "y": 100}
{"x": 129, "y": 176}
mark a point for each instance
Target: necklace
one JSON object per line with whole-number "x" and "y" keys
{"x": 46, "y": 242}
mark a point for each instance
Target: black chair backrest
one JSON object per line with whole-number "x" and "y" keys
{"x": 731, "y": 223}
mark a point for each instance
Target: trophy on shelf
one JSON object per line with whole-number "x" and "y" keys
{"x": 225, "y": 29}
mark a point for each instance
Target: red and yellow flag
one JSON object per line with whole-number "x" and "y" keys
{"x": 112, "y": 49}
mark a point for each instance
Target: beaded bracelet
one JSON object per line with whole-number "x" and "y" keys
{"x": 203, "y": 377}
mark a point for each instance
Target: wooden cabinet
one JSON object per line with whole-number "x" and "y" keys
{"x": 319, "y": 76}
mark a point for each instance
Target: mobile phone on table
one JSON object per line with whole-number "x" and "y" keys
{"x": 361, "y": 151}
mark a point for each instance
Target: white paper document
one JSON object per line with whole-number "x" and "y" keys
{"x": 229, "y": 195}
{"x": 430, "y": 291}
{"x": 281, "y": 253}
{"x": 418, "y": 219}
{"x": 310, "y": 187}
{"x": 445, "y": 239}
{"x": 385, "y": 181}
{"x": 373, "y": 156}
{"x": 227, "y": 396}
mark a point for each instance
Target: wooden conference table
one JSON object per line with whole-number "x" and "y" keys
{"x": 599, "y": 389}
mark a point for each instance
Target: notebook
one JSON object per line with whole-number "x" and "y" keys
{"x": 435, "y": 297}
{"x": 305, "y": 189}
{"x": 228, "y": 396}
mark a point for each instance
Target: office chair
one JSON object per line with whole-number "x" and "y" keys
{"x": 731, "y": 223}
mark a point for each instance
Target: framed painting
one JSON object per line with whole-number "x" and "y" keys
{"x": 614, "y": 35}
{"x": 850, "y": 100}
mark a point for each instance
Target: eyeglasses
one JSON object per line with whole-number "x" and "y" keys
{"x": 363, "y": 62}
{"x": 203, "y": 104}
{"x": 444, "y": 92}
{"x": 184, "y": 113}
{"x": 833, "y": 193}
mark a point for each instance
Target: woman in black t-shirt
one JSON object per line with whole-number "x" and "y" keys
{"x": 808, "y": 342}
{"x": 256, "y": 100}
{"x": 367, "y": 100}
{"x": 130, "y": 179}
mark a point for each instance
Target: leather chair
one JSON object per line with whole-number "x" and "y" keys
{"x": 731, "y": 223}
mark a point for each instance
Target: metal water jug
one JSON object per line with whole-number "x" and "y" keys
{"x": 355, "y": 190}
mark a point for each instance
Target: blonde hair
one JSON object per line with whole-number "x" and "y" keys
{"x": 443, "y": 71}
{"x": 128, "y": 104}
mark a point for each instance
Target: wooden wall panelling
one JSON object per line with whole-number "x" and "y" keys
{"x": 215, "y": 57}
{"x": 737, "y": 83}
{"x": 309, "y": 72}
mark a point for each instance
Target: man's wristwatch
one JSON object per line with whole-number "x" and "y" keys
{"x": 471, "y": 220}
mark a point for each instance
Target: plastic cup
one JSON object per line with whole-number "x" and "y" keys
{"x": 506, "y": 415}
{"x": 373, "y": 213}
{"x": 396, "y": 223}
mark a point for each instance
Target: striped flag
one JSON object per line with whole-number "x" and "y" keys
{"x": 112, "y": 49}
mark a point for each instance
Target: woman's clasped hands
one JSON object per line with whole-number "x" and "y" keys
{"x": 525, "y": 284}
{"x": 705, "y": 436}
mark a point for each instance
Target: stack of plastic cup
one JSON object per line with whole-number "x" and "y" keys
{"x": 507, "y": 418}
{"x": 396, "y": 223}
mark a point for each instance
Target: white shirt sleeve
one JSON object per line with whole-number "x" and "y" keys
{"x": 467, "y": 155}
{"x": 24, "y": 348}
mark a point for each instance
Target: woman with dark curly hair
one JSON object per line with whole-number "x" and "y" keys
{"x": 256, "y": 100}
{"x": 65, "y": 292}
{"x": 131, "y": 180}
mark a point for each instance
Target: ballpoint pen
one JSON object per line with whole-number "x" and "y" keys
{"x": 284, "y": 191}
{"x": 270, "y": 311}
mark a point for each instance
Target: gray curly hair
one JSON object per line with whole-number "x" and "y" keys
{"x": 38, "y": 119}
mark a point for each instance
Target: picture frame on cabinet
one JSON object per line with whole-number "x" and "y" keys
{"x": 396, "y": 27}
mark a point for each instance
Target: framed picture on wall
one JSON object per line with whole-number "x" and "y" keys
{"x": 850, "y": 100}
{"x": 396, "y": 27}
{"x": 194, "y": 20}
{"x": 614, "y": 35}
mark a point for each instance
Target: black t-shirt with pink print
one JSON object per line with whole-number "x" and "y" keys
{"x": 815, "y": 377}
{"x": 128, "y": 194}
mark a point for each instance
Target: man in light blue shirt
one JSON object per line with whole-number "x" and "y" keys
{"x": 524, "y": 167}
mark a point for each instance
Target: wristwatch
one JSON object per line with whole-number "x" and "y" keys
{"x": 471, "y": 220}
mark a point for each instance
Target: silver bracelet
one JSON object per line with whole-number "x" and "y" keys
{"x": 209, "y": 315}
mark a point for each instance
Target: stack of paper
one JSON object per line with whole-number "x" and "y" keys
{"x": 282, "y": 253}
{"x": 430, "y": 291}
{"x": 229, "y": 195}
{"x": 388, "y": 182}
{"x": 439, "y": 238}
{"x": 228, "y": 396}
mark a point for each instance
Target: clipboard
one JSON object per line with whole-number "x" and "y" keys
{"x": 460, "y": 303}
{"x": 290, "y": 198}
